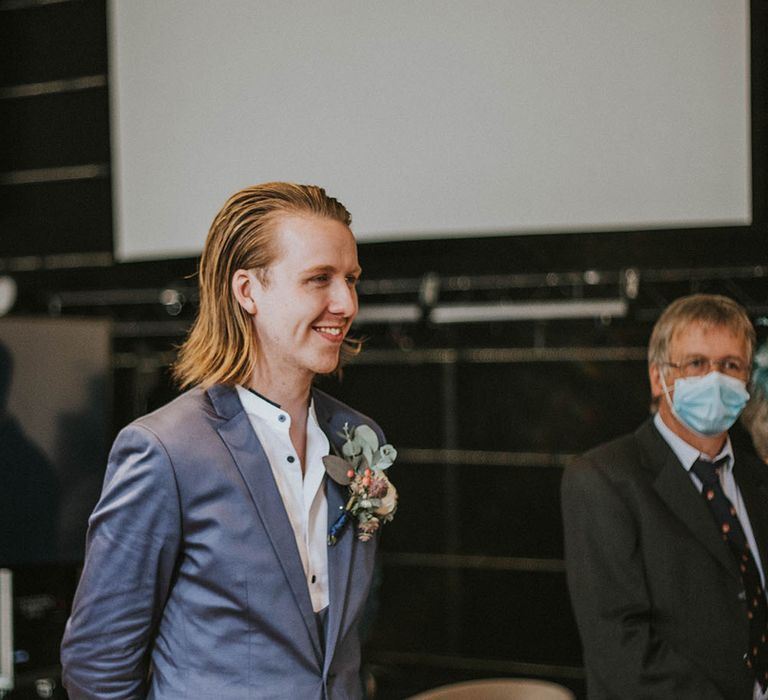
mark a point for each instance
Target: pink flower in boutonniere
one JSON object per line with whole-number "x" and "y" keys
{"x": 372, "y": 497}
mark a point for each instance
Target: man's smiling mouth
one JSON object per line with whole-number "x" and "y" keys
{"x": 329, "y": 330}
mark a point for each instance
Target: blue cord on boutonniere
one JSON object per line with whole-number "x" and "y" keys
{"x": 372, "y": 497}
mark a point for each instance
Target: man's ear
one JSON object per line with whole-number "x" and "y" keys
{"x": 242, "y": 287}
{"x": 654, "y": 375}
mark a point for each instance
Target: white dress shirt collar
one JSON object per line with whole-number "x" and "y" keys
{"x": 688, "y": 454}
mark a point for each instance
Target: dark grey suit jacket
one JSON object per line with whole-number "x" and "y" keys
{"x": 192, "y": 569}
{"x": 657, "y": 594}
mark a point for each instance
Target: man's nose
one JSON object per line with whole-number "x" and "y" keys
{"x": 343, "y": 299}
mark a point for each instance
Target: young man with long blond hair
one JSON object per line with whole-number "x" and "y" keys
{"x": 207, "y": 571}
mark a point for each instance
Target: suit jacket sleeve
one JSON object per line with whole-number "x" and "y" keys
{"x": 132, "y": 546}
{"x": 606, "y": 580}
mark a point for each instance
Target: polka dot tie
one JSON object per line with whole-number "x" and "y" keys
{"x": 732, "y": 533}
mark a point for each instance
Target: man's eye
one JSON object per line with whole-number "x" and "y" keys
{"x": 696, "y": 363}
{"x": 320, "y": 278}
{"x": 352, "y": 280}
{"x": 732, "y": 366}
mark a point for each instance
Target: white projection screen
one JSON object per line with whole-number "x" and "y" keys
{"x": 431, "y": 118}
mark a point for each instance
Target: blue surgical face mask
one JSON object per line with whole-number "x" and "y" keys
{"x": 708, "y": 405}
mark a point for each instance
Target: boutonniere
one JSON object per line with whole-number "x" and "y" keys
{"x": 361, "y": 467}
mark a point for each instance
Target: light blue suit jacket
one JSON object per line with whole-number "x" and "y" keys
{"x": 193, "y": 585}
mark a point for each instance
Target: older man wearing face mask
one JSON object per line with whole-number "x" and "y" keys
{"x": 666, "y": 529}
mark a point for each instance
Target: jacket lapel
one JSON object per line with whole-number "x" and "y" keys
{"x": 340, "y": 555}
{"x": 253, "y": 465}
{"x": 675, "y": 488}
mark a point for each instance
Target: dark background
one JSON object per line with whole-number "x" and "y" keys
{"x": 484, "y": 414}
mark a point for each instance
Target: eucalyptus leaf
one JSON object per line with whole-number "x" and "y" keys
{"x": 350, "y": 449}
{"x": 368, "y": 454}
{"x": 367, "y": 436}
{"x": 384, "y": 457}
{"x": 337, "y": 469}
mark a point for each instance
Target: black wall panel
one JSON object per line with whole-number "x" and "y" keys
{"x": 54, "y": 103}
{"x": 63, "y": 129}
{"x": 45, "y": 218}
{"x": 42, "y": 42}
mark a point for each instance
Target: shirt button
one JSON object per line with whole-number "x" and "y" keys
{"x": 314, "y": 578}
{"x": 282, "y": 418}
{"x": 291, "y": 459}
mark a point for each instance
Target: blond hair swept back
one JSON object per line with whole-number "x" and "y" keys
{"x": 708, "y": 310}
{"x": 221, "y": 346}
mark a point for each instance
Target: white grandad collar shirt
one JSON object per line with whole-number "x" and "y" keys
{"x": 303, "y": 495}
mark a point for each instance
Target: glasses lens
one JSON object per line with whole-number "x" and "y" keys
{"x": 733, "y": 368}
{"x": 695, "y": 367}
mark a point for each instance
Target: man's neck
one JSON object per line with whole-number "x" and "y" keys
{"x": 290, "y": 390}
{"x": 710, "y": 445}
{"x": 293, "y": 397}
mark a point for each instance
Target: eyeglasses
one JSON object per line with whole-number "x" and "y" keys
{"x": 699, "y": 366}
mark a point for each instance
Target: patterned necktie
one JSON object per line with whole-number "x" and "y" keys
{"x": 732, "y": 533}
